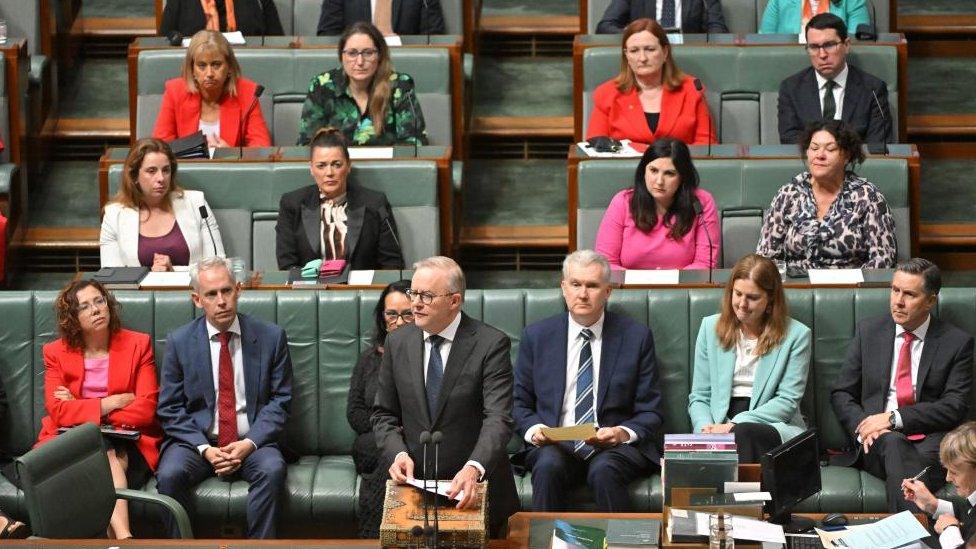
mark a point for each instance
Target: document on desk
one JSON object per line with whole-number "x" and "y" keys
{"x": 835, "y": 276}
{"x": 439, "y": 487}
{"x": 573, "y": 432}
{"x": 894, "y": 531}
{"x": 757, "y": 530}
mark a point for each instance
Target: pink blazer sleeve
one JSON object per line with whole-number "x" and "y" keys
{"x": 610, "y": 236}
{"x": 166, "y": 128}
{"x": 706, "y": 256}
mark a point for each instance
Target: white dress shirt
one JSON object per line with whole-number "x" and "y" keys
{"x": 240, "y": 394}
{"x": 891, "y": 403}
{"x": 574, "y": 346}
{"x": 746, "y": 360}
{"x": 659, "y": 10}
{"x": 840, "y": 85}
{"x": 951, "y": 537}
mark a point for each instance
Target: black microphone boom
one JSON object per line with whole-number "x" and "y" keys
{"x": 243, "y": 125}
{"x": 425, "y": 441}
{"x": 697, "y": 205}
{"x": 436, "y": 439}
{"x": 204, "y": 214}
{"x": 395, "y": 239}
{"x": 884, "y": 129}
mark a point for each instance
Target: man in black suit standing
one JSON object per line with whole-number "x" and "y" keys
{"x": 389, "y": 16}
{"x": 691, "y": 16}
{"x": 452, "y": 374}
{"x": 904, "y": 384}
{"x": 833, "y": 89}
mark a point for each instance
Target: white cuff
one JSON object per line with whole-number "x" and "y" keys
{"x": 898, "y": 423}
{"x": 479, "y": 467}
{"x": 943, "y": 507}
{"x": 202, "y": 449}
{"x": 633, "y": 435}
{"x": 531, "y": 431}
{"x": 951, "y": 537}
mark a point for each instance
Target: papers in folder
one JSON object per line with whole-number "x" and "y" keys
{"x": 439, "y": 487}
{"x": 235, "y": 38}
{"x": 574, "y": 432}
{"x": 895, "y": 531}
{"x": 626, "y": 151}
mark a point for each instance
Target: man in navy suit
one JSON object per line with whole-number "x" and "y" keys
{"x": 589, "y": 366}
{"x": 224, "y": 399}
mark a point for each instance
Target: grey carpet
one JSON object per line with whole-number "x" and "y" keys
{"x": 947, "y": 191}
{"x": 523, "y": 86}
{"x": 941, "y": 85}
{"x": 936, "y": 7}
{"x": 515, "y": 192}
{"x": 97, "y": 88}
{"x": 536, "y": 7}
{"x": 66, "y": 196}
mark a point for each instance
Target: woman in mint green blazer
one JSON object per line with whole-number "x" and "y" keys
{"x": 784, "y": 16}
{"x": 751, "y": 363}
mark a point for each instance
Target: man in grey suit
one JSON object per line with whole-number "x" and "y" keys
{"x": 904, "y": 384}
{"x": 691, "y": 16}
{"x": 452, "y": 374}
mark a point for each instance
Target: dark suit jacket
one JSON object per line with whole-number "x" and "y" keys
{"x": 370, "y": 243}
{"x": 254, "y": 17}
{"x": 628, "y": 392}
{"x": 409, "y": 16}
{"x": 942, "y": 386}
{"x": 473, "y": 411}
{"x": 865, "y": 112}
{"x": 697, "y": 16}
{"x": 187, "y": 396}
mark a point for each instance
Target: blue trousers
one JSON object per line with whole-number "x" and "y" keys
{"x": 556, "y": 471}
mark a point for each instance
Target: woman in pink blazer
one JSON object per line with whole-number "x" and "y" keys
{"x": 212, "y": 96}
{"x": 97, "y": 372}
{"x": 664, "y": 221}
{"x": 651, "y": 98}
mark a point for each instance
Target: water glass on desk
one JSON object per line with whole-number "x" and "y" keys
{"x": 3, "y": 31}
{"x": 720, "y": 531}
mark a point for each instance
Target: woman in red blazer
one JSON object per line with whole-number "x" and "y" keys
{"x": 212, "y": 96}
{"x": 98, "y": 372}
{"x": 651, "y": 97}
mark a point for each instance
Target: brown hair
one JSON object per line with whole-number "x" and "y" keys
{"x": 764, "y": 274}
{"x": 129, "y": 193}
{"x": 329, "y": 138}
{"x": 959, "y": 445}
{"x": 379, "y": 88}
{"x": 207, "y": 40}
{"x": 671, "y": 75}
{"x": 66, "y": 312}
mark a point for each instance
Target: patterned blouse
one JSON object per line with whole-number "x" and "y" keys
{"x": 857, "y": 231}
{"x": 329, "y": 103}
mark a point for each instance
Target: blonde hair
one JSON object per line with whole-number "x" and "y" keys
{"x": 671, "y": 75}
{"x": 207, "y": 40}
{"x": 764, "y": 274}
{"x": 959, "y": 445}
{"x": 129, "y": 193}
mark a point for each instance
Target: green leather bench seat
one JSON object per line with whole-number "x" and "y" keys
{"x": 286, "y": 73}
{"x": 328, "y": 330}
{"x": 742, "y": 100}
{"x": 245, "y": 197}
{"x": 742, "y": 190}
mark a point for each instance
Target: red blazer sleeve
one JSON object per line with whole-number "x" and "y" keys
{"x": 603, "y": 98}
{"x": 63, "y": 366}
{"x": 705, "y": 130}
{"x": 141, "y": 412}
{"x": 166, "y": 126}
{"x": 256, "y": 132}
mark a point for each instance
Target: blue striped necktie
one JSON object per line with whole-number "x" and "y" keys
{"x": 667, "y": 14}
{"x": 584, "y": 392}
{"x": 435, "y": 373}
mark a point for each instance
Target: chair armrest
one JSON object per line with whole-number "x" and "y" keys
{"x": 170, "y": 504}
{"x": 7, "y": 174}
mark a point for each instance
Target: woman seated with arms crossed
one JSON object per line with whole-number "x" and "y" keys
{"x": 97, "y": 372}
{"x": 828, "y": 217}
{"x": 955, "y": 523}
{"x": 152, "y": 221}
{"x": 792, "y": 16}
{"x": 335, "y": 220}
{"x": 251, "y": 17}
{"x": 369, "y": 102}
{"x": 665, "y": 220}
{"x": 751, "y": 363}
{"x": 211, "y": 96}
{"x": 651, "y": 98}
{"x": 392, "y": 311}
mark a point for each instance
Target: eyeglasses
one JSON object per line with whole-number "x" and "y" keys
{"x": 829, "y": 47}
{"x": 87, "y": 307}
{"x": 425, "y": 297}
{"x": 392, "y": 316}
{"x": 368, "y": 54}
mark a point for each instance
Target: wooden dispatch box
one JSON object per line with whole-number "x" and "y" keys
{"x": 403, "y": 509}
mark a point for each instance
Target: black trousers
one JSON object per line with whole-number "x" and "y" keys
{"x": 752, "y": 440}
{"x": 894, "y": 458}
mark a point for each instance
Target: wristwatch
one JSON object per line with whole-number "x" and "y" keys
{"x": 891, "y": 420}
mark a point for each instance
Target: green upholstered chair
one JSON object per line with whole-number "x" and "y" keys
{"x": 68, "y": 487}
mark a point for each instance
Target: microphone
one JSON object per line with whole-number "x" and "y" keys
{"x": 701, "y": 90}
{"x": 175, "y": 38}
{"x": 204, "y": 214}
{"x": 887, "y": 124}
{"x": 396, "y": 240}
{"x": 697, "y": 205}
{"x": 425, "y": 21}
{"x": 243, "y": 125}
{"x": 425, "y": 441}
{"x": 413, "y": 110}
{"x": 436, "y": 438}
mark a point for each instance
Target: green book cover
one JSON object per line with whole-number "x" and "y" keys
{"x": 575, "y": 536}
{"x": 633, "y": 533}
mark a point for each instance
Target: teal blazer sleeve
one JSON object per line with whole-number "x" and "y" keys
{"x": 783, "y": 16}
{"x": 780, "y": 380}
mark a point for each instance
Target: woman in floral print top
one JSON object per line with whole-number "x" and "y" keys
{"x": 828, "y": 217}
{"x": 364, "y": 98}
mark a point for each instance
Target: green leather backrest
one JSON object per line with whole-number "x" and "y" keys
{"x": 4, "y": 114}
{"x": 328, "y": 330}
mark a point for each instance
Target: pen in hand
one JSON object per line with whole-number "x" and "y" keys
{"x": 922, "y": 473}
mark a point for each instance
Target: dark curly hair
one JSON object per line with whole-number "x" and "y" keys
{"x": 380, "y": 331}
{"x": 66, "y": 311}
{"x": 847, "y": 139}
{"x": 680, "y": 216}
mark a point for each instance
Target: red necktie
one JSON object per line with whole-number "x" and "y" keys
{"x": 226, "y": 399}
{"x": 904, "y": 393}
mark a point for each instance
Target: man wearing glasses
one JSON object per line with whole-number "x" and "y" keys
{"x": 450, "y": 374}
{"x": 833, "y": 89}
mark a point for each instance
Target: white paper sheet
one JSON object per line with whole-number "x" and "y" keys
{"x": 752, "y": 496}
{"x": 172, "y": 279}
{"x": 370, "y": 153}
{"x": 757, "y": 530}
{"x": 734, "y": 487}
{"x": 235, "y": 38}
{"x": 894, "y": 531}
{"x": 393, "y": 40}
{"x": 652, "y": 276}
{"x": 836, "y": 276}
{"x": 361, "y": 277}
{"x": 440, "y": 487}
{"x": 676, "y": 38}
{"x": 626, "y": 151}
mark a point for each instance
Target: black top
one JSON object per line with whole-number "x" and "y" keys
{"x": 362, "y": 393}
{"x": 408, "y": 17}
{"x": 254, "y": 17}
{"x": 652, "y": 119}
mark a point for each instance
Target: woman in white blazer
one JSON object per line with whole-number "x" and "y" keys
{"x": 152, "y": 221}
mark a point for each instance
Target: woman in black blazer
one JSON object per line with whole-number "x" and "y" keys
{"x": 252, "y": 17}
{"x": 335, "y": 220}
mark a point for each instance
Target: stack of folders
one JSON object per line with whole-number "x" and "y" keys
{"x": 191, "y": 146}
{"x": 683, "y": 526}
{"x": 619, "y": 534}
{"x": 698, "y": 460}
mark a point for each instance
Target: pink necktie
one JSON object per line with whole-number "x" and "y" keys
{"x": 904, "y": 392}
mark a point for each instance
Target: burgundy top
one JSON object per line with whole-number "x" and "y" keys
{"x": 172, "y": 244}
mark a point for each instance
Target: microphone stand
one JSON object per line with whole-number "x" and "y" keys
{"x": 697, "y": 205}
{"x": 425, "y": 441}
{"x": 247, "y": 113}
{"x": 204, "y": 214}
{"x": 436, "y": 439}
